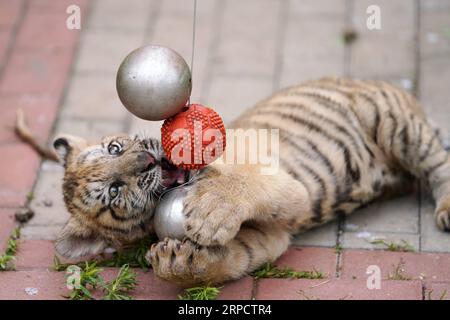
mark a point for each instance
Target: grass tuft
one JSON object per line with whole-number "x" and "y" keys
{"x": 200, "y": 293}
{"x": 268, "y": 270}
{"x": 8, "y": 257}
{"x": 7, "y": 262}
{"x": 57, "y": 265}
{"x": 118, "y": 288}
{"x": 338, "y": 248}
{"x": 399, "y": 272}
{"x": 89, "y": 279}
{"x": 441, "y": 297}
{"x": 403, "y": 246}
{"x": 30, "y": 196}
{"x": 133, "y": 256}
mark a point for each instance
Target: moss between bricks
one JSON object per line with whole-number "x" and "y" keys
{"x": 200, "y": 293}
{"x": 399, "y": 272}
{"x": 268, "y": 270}
{"x": 403, "y": 246}
{"x": 442, "y": 296}
{"x": 9, "y": 256}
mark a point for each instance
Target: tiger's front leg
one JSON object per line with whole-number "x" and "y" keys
{"x": 224, "y": 197}
{"x": 187, "y": 263}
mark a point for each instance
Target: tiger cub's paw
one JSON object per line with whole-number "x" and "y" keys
{"x": 213, "y": 215}
{"x": 184, "y": 262}
{"x": 442, "y": 213}
{"x": 443, "y": 219}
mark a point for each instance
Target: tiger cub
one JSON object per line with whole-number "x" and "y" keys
{"x": 342, "y": 144}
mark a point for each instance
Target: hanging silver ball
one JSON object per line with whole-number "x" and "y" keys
{"x": 169, "y": 217}
{"x": 154, "y": 83}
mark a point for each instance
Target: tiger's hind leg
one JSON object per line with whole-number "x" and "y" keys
{"x": 406, "y": 137}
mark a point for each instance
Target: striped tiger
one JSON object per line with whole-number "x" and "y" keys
{"x": 343, "y": 143}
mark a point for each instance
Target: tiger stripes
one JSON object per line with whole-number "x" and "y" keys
{"x": 341, "y": 135}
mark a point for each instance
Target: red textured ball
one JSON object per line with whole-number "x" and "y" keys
{"x": 194, "y": 137}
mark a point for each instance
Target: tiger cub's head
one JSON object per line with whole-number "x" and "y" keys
{"x": 110, "y": 190}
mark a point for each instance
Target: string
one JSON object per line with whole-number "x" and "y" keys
{"x": 193, "y": 44}
{"x": 193, "y": 36}
{"x": 194, "y": 173}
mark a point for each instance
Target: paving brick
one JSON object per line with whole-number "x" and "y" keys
{"x": 319, "y": 8}
{"x": 5, "y": 36}
{"x": 230, "y": 96}
{"x": 437, "y": 291}
{"x": 56, "y": 6}
{"x": 47, "y": 203}
{"x": 435, "y": 73}
{"x": 119, "y": 16}
{"x": 311, "y": 48}
{"x": 152, "y": 288}
{"x": 237, "y": 290}
{"x": 434, "y": 29}
{"x": 364, "y": 239}
{"x": 295, "y": 73}
{"x": 149, "y": 287}
{"x": 39, "y": 110}
{"x": 174, "y": 6}
{"x": 44, "y": 30}
{"x": 34, "y": 254}
{"x": 49, "y": 285}
{"x": 250, "y": 47}
{"x": 18, "y": 166}
{"x": 390, "y": 50}
{"x": 404, "y": 82}
{"x": 7, "y": 224}
{"x": 309, "y": 259}
{"x": 182, "y": 42}
{"x": 36, "y": 72}
{"x": 102, "y": 51}
{"x": 324, "y": 236}
{"x": 434, "y": 5}
{"x": 394, "y": 215}
{"x": 35, "y": 232}
{"x": 282, "y": 289}
{"x": 428, "y": 266}
{"x": 9, "y": 12}
{"x": 91, "y": 130}
{"x": 432, "y": 239}
{"x": 93, "y": 97}
{"x": 383, "y": 61}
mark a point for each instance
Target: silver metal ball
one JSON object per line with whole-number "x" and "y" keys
{"x": 154, "y": 83}
{"x": 169, "y": 217}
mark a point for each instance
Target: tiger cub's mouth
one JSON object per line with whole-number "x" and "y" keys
{"x": 171, "y": 175}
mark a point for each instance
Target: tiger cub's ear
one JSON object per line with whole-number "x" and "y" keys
{"x": 67, "y": 145}
{"x": 77, "y": 241}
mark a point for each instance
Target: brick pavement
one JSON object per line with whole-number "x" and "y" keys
{"x": 65, "y": 82}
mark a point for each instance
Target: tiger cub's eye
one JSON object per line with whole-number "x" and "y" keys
{"x": 113, "y": 191}
{"x": 114, "y": 148}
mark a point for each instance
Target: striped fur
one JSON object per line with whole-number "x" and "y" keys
{"x": 343, "y": 143}
{"x": 100, "y": 218}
